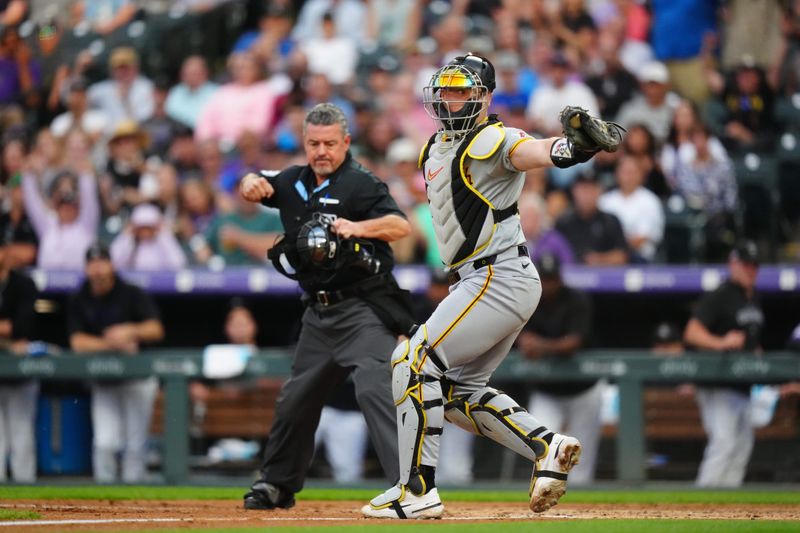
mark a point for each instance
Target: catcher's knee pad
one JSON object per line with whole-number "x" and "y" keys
{"x": 494, "y": 414}
{"x": 457, "y": 409}
{"x": 416, "y": 371}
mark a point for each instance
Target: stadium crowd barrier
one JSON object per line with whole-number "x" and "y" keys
{"x": 629, "y": 369}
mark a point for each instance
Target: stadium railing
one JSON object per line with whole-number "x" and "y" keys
{"x": 629, "y": 369}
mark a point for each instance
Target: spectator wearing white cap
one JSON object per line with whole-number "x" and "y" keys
{"x": 147, "y": 244}
{"x": 654, "y": 106}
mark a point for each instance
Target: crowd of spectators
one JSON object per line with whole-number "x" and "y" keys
{"x": 90, "y": 136}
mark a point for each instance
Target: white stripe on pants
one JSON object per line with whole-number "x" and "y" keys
{"x": 726, "y": 419}
{"x": 577, "y": 415}
{"x": 121, "y": 415}
{"x": 17, "y": 417}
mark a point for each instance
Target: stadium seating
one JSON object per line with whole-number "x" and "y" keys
{"x": 758, "y": 178}
{"x": 684, "y": 239}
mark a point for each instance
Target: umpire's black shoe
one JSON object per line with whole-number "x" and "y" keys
{"x": 264, "y": 496}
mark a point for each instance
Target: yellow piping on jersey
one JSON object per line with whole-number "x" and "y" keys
{"x": 516, "y": 144}
{"x": 464, "y": 174}
{"x": 460, "y": 317}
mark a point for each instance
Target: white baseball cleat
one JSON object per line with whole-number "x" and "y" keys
{"x": 549, "y": 478}
{"x": 400, "y": 503}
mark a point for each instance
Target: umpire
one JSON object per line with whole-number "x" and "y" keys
{"x": 339, "y": 219}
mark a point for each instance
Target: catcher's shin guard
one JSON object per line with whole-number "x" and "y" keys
{"x": 416, "y": 370}
{"x": 494, "y": 414}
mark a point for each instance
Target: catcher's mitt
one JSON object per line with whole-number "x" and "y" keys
{"x": 590, "y": 134}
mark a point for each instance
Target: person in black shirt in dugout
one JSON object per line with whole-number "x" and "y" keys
{"x": 728, "y": 319}
{"x": 110, "y": 315}
{"x": 17, "y": 396}
{"x": 339, "y": 219}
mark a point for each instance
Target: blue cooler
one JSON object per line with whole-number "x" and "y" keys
{"x": 64, "y": 435}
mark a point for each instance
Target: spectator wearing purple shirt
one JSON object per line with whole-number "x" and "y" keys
{"x": 542, "y": 238}
{"x": 19, "y": 72}
{"x": 69, "y": 228}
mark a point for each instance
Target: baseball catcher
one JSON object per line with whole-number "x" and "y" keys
{"x": 474, "y": 169}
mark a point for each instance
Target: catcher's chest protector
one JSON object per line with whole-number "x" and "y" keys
{"x": 469, "y": 192}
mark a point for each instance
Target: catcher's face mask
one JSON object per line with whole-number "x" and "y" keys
{"x": 456, "y": 94}
{"x": 317, "y": 243}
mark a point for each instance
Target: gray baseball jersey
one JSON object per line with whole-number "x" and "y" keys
{"x": 469, "y": 181}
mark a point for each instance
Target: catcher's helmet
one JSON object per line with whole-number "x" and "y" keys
{"x": 464, "y": 72}
{"x": 317, "y": 243}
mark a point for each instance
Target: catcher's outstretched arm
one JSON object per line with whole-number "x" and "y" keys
{"x": 533, "y": 153}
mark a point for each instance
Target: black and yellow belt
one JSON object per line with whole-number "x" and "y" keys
{"x": 454, "y": 277}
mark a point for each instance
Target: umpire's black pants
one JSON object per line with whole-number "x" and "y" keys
{"x": 334, "y": 341}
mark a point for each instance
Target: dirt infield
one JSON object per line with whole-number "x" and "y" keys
{"x": 93, "y": 515}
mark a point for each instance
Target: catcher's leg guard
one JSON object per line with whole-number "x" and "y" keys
{"x": 494, "y": 414}
{"x": 416, "y": 370}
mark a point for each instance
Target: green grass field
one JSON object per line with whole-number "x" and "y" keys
{"x": 641, "y": 497}
{"x": 13, "y": 514}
